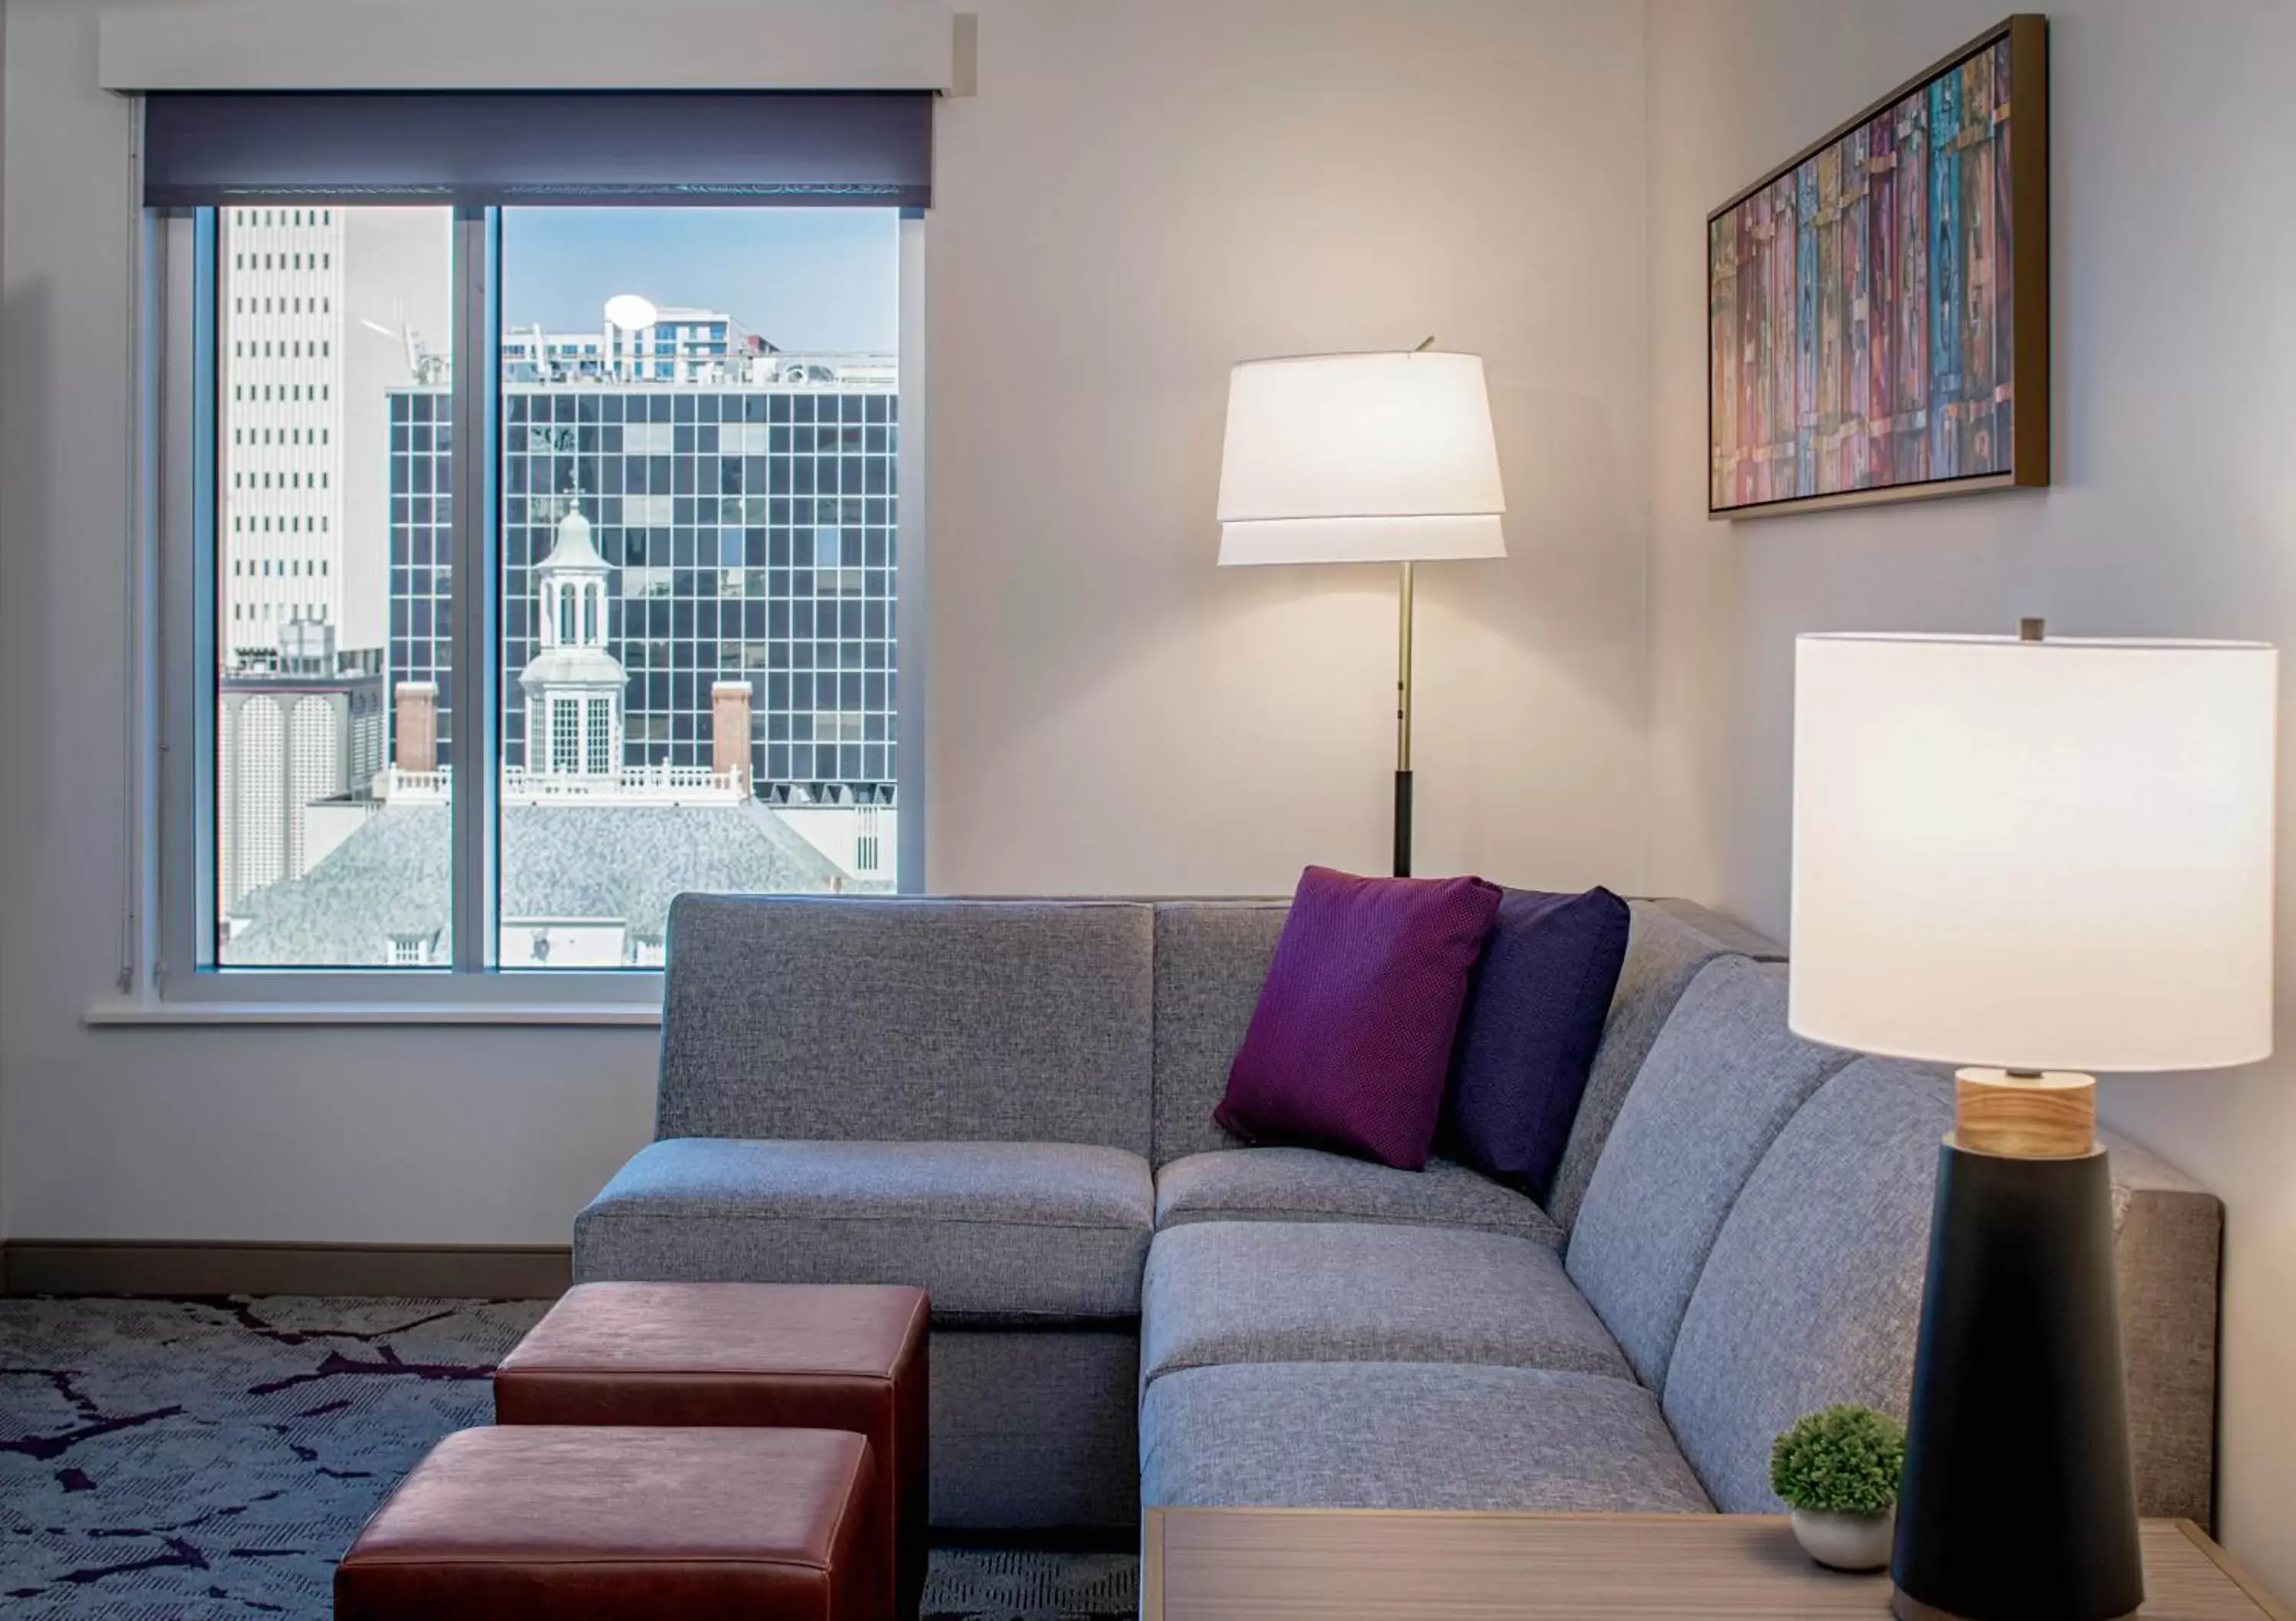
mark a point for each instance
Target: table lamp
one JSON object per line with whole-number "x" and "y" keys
{"x": 2044, "y": 856}
{"x": 1384, "y": 457}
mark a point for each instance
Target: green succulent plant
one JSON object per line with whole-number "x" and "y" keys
{"x": 1845, "y": 1460}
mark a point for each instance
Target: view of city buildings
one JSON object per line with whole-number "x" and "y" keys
{"x": 282, "y": 332}
{"x": 696, "y": 613}
{"x": 747, "y": 517}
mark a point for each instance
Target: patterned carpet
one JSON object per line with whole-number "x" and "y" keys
{"x": 193, "y": 1458}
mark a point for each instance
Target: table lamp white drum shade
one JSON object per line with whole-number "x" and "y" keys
{"x": 2042, "y": 856}
{"x": 1384, "y": 457}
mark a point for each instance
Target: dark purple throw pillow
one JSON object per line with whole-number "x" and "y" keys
{"x": 1350, "y": 1044}
{"x": 1527, "y": 1038}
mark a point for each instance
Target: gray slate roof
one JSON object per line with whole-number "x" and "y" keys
{"x": 625, "y": 862}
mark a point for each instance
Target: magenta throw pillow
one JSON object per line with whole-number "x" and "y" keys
{"x": 1350, "y": 1044}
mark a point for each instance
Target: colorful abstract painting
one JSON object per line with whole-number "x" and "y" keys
{"x": 1862, "y": 304}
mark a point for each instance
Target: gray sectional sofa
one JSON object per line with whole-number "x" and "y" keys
{"x": 1009, "y": 1103}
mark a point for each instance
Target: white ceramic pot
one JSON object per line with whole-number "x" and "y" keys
{"x": 1845, "y": 1541}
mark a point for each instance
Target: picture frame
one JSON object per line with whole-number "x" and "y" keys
{"x": 1870, "y": 340}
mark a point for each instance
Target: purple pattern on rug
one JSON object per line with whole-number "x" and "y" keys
{"x": 213, "y": 1456}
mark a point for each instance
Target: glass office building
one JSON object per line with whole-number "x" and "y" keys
{"x": 749, "y": 527}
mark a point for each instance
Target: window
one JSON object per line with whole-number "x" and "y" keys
{"x": 546, "y": 556}
{"x": 300, "y": 644}
{"x": 565, "y": 735}
{"x": 640, "y": 504}
{"x": 599, "y": 744}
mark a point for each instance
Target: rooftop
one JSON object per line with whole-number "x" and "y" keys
{"x": 623, "y": 861}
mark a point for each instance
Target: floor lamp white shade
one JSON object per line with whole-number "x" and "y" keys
{"x": 1385, "y": 457}
{"x": 2039, "y": 855}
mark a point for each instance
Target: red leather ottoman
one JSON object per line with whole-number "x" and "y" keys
{"x": 821, "y": 1357}
{"x": 625, "y": 1524}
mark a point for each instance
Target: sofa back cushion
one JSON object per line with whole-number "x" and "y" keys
{"x": 1664, "y": 952}
{"x": 1722, "y": 1080}
{"x": 1211, "y": 959}
{"x": 1812, "y": 1292}
{"x": 899, "y": 1019}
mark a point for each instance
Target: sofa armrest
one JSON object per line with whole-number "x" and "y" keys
{"x": 2167, "y": 1232}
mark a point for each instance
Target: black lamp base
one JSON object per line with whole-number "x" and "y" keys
{"x": 2018, "y": 1499}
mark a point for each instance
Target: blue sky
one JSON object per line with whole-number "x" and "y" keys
{"x": 803, "y": 278}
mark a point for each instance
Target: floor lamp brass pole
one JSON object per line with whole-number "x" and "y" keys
{"x": 1403, "y": 728}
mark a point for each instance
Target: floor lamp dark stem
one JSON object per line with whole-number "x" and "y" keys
{"x": 1403, "y": 727}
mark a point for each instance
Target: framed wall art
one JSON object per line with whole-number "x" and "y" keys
{"x": 1878, "y": 307}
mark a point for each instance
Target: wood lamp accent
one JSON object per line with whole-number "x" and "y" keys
{"x": 2024, "y": 1115}
{"x": 2057, "y": 856}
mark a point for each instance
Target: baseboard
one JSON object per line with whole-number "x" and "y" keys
{"x": 98, "y": 1266}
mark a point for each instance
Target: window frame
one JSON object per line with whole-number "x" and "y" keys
{"x": 168, "y": 974}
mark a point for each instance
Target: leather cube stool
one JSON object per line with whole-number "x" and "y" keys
{"x": 609, "y": 1524}
{"x": 821, "y": 1356}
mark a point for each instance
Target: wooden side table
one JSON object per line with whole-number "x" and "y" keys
{"x": 1379, "y": 1564}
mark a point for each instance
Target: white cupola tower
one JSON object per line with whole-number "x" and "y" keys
{"x": 574, "y": 687}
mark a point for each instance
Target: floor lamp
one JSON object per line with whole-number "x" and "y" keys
{"x": 1384, "y": 457}
{"x": 2045, "y": 857}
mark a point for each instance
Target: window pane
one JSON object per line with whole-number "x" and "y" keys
{"x": 333, "y": 739}
{"x": 654, "y": 364}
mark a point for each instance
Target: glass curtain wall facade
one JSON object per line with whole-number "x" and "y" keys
{"x": 750, "y": 534}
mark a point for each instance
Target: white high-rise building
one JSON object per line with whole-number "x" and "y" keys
{"x": 281, "y": 515}
{"x": 679, "y": 344}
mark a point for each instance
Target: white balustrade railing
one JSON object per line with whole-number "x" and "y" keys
{"x": 414, "y": 787}
{"x": 633, "y": 784}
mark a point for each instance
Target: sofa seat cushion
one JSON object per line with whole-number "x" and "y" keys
{"x": 1305, "y": 1184}
{"x": 1220, "y": 1292}
{"x": 992, "y": 1231}
{"x": 1370, "y": 1435}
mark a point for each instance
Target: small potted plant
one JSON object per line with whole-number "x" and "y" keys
{"x": 1838, "y": 1472}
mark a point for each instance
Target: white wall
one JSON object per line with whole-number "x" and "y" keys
{"x": 1143, "y": 192}
{"x": 2175, "y": 514}
{"x": 416, "y": 1137}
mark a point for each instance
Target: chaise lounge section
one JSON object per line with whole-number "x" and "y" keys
{"x": 1009, "y": 1104}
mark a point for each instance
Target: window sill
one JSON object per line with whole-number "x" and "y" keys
{"x": 124, "y": 1011}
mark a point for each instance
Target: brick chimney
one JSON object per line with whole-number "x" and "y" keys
{"x": 418, "y": 726}
{"x": 729, "y": 730}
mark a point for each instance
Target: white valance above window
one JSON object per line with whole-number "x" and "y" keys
{"x": 538, "y": 44}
